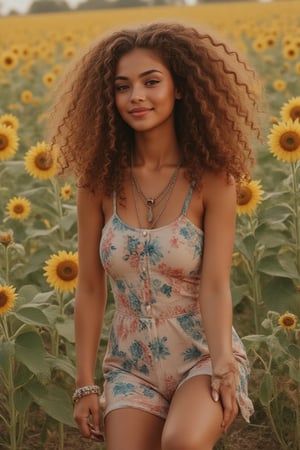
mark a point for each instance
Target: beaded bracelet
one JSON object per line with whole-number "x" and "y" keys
{"x": 85, "y": 390}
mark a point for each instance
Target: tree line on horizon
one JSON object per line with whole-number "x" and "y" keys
{"x": 52, "y": 6}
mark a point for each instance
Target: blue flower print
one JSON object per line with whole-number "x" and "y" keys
{"x": 190, "y": 326}
{"x": 191, "y": 353}
{"x": 121, "y": 285}
{"x": 132, "y": 247}
{"x": 136, "y": 350}
{"x": 118, "y": 225}
{"x": 147, "y": 391}
{"x": 122, "y": 388}
{"x": 153, "y": 250}
{"x": 159, "y": 349}
{"x": 166, "y": 290}
{"x": 134, "y": 302}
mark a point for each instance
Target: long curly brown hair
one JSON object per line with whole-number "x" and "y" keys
{"x": 214, "y": 120}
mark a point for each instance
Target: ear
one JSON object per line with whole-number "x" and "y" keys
{"x": 178, "y": 95}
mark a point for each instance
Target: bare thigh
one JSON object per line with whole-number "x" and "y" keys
{"x": 194, "y": 419}
{"x": 133, "y": 429}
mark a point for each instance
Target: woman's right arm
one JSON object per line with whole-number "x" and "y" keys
{"x": 90, "y": 304}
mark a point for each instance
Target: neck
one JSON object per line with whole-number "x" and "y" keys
{"x": 156, "y": 152}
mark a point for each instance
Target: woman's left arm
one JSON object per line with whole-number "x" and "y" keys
{"x": 219, "y": 197}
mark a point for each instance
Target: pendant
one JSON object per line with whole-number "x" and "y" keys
{"x": 150, "y": 203}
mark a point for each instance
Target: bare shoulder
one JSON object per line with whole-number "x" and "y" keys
{"x": 217, "y": 187}
{"x": 89, "y": 207}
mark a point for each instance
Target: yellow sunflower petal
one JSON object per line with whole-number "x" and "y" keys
{"x": 249, "y": 196}
{"x": 18, "y": 208}
{"x": 288, "y": 321}
{"x": 66, "y": 191}
{"x": 284, "y": 141}
{"x": 61, "y": 271}
{"x": 7, "y": 298}
{"x": 9, "y": 142}
{"x": 8, "y": 60}
{"x": 291, "y": 109}
{"x": 40, "y": 163}
{"x": 10, "y": 120}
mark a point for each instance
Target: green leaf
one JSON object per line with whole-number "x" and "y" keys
{"x": 42, "y": 297}
{"x": 28, "y": 291}
{"x": 6, "y": 349}
{"x": 63, "y": 364}
{"x": 246, "y": 246}
{"x": 279, "y": 294}
{"x": 54, "y": 400}
{"x": 271, "y": 266}
{"x": 238, "y": 293}
{"x": 31, "y": 316}
{"x": 22, "y": 400}
{"x": 66, "y": 329}
{"x": 294, "y": 370}
{"x": 30, "y": 352}
{"x": 294, "y": 351}
{"x": 266, "y": 389}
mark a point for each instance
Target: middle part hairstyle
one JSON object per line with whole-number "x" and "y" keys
{"x": 214, "y": 119}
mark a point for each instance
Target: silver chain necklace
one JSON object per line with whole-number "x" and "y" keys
{"x": 151, "y": 202}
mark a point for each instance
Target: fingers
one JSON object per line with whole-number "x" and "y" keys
{"x": 230, "y": 407}
{"x": 87, "y": 416}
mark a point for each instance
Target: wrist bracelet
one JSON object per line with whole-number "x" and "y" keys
{"x": 84, "y": 391}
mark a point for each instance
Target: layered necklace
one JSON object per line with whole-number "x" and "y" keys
{"x": 152, "y": 202}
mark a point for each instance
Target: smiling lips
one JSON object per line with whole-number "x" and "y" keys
{"x": 139, "y": 112}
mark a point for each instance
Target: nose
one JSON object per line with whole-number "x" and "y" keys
{"x": 137, "y": 94}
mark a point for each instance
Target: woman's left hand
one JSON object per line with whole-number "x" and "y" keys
{"x": 224, "y": 384}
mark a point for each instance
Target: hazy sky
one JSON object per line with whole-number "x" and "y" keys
{"x": 22, "y": 5}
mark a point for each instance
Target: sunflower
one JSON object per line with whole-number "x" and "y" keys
{"x": 66, "y": 191}
{"x": 7, "y": 298}
{"x": 18, "y": 208}
{"x": 290, "y": 109}
{"x": 290, "y": 51}
{"x": 40, "y": 163}
{"x": 279, "y": 85}
{"x": 61, "y": 271}
{"x": 9, "y": 142}
{"x": 248, "y": 197}
{"x": 6, "y": 238}
{"x": 288, "y": 321}
{"x": 284, "y": 141}
{"x": 49, "y": 79}
{"x": 69, "y": 52}
{"x": 8, "y": 60}
{"x": 26, "y": 96}
{"x": 10, "y": 121}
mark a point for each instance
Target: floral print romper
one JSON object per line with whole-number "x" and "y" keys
{"x": 157, "y": 341}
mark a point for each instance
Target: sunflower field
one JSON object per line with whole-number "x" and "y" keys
{"x": 38, "y": 240}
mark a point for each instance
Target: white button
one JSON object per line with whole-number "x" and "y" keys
{"x": 148, "y": 308}
{"x": 145, "y": 233}
{"x": 144, "y": 269}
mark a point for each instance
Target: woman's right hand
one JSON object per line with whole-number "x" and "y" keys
{"x": 88, "y": 417}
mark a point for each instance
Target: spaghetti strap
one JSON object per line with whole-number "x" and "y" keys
{"x": 114, "y": 202}
{"x": 188, "y": 199}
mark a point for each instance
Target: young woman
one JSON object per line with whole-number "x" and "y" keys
{"x": 156, "y": 122}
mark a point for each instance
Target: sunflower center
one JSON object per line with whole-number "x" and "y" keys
{"x": 8, "y": 123}
{"x": 8, "y": 61}
{"x": 3, "y": 142}
{"x": 3, "y": 299}
{"x": 67, "y": 270}
{"x": 295, "y": 112}
{"x": 43, "y": 161}
{"x": 244, "y": 195}
{"x": 288, "y": 321}
{"x": 18, "y": 208}
{"x": 290, "y": 141}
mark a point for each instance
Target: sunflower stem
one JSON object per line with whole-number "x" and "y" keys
{"x": 255, "y": 280}
{"x": 296, "y": 215}
{"x": 6, "y": 256}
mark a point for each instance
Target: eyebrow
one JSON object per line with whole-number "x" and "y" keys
{"x": 141, "y": 75}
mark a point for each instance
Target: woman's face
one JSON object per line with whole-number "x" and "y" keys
{"x": 144, "y": 90}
